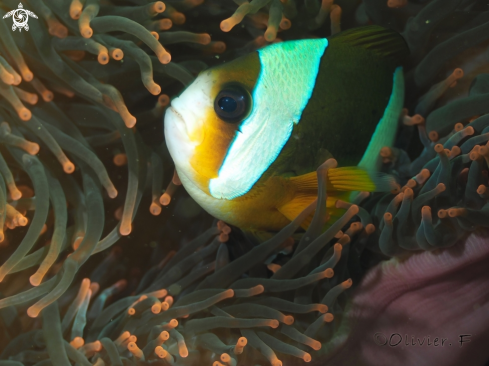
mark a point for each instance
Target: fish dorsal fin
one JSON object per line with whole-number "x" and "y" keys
{"x": 382, "y": 41}
{"x": 340, "y": 183}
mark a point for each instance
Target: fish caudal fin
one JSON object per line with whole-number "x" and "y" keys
{"x": 357, "y": 179}
{"x": 339, "y": 184}
{"x": 386, "y": 129}
{"x": 380, "y": 43}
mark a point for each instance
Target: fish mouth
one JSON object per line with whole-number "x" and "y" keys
{"x": 176, "y": 112}
{"x": 178, "y": 119}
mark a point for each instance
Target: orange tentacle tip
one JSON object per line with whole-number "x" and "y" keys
{"x": 274, "y": 324}
{"x": 159, "y": 6}
{"x": 458, "y": 127}
{"x": 165, "y": 199}
{"x": 455, "y": 152}
{"x": 285, "y": 23}
{"x": 396, "y": 3}
{"x": 328, "y": 317}
{"x": 426, "y": 212}
{"x": 103, "y": 58}
{"x": 125, "y": 228}
{"x": 163, "y": 100}
{"x": 439, "y": 148}
{"x": 369, "y": 229}
{"x": 178, "y": 18}
{"x": 86, "y": 32}
{"x": 77, "y": 342}
{"x": 225, "y": 357}
{"x": 482, "y": 189}
{"x": 223, "y": 237}
{"x": 433, "y": 136}
{"x": 328, "y": 273}
{"x": 289, "y": 320}
{"x": 160, "y": 352}
{"x": 411, "y": 183}
{"x": 176, "y": 179}
{"x": 441, "y": 187}
{"x": 354, "y": 209}
{"x": 386, "y": 152}
{"x": 155, "y": 209}
{"x": 117, "y": 54}
{"x": 15, "y": 193}
{"x": 227, "y": 25}
{"x": 24, "y": 114}
{"x": 33, "y": 311}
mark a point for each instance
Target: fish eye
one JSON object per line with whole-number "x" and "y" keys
{"x": 232, "y": 104}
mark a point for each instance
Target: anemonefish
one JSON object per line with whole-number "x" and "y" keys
{"x": 247, "y": 136}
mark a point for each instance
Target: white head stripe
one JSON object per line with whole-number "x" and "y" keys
{"x": 285, "y": 84}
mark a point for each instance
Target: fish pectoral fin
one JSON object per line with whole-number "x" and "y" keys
{"x": 352, "y": 178}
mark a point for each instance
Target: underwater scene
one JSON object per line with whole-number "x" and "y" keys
{"x": 244, "y": 183}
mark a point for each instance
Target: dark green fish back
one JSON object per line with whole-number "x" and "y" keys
{"x": 352, "y": 90}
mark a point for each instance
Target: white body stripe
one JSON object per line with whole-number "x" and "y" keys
{"x": 285, "y": 84}
{"x": 386, "y": 129}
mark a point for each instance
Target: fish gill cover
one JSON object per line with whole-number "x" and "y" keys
{"x": 82, "y": 160}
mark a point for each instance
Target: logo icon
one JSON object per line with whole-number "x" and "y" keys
{"x": 20, "y": 17}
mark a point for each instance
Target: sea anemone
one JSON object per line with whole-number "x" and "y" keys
{"x": 99, "y": 69}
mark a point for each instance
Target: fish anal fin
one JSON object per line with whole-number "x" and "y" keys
{"x": 295, "y": 206}
{"x": 306, "y": 190}
{"x": 339, "y": 184}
